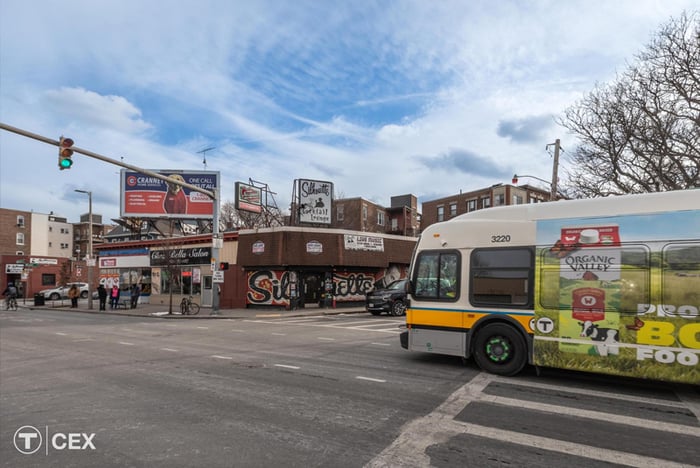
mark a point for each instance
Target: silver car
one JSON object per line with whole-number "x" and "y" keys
{"x": 61, "y": 292}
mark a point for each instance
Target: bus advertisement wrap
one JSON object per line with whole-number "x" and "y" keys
{"x": 622, "y": 293}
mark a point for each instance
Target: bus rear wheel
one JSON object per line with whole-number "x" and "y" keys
{"x": 500, "y": 349}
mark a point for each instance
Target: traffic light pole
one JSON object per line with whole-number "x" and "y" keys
{"x": 217, "y": 240}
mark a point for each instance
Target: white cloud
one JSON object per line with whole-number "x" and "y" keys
{"x": 356, "y": 92}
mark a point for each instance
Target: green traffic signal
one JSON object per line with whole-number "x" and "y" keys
{"x": 65, "y": 153}
{"x": 65, "y": 163}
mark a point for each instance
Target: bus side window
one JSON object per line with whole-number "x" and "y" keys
{"x": 502, "y": 277}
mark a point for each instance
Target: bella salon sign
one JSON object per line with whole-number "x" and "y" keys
{"x": 196, "y": 256}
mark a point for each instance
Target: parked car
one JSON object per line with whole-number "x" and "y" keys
{"x": 392, "y": 299}
{"x": 61, "y": 292}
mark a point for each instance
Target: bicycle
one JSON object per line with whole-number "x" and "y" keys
{"x": 11, "y": 303}
{"x": 187, "y": 307}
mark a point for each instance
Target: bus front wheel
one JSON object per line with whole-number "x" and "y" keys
{"x": 500, "y": 349}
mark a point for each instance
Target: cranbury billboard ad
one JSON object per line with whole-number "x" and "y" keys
{"x": 149, "y": 197}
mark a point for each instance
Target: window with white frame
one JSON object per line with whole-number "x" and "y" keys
{"x": 364, "y": 213}
{"x": 499, "y": 199}
{"x": 441, "y": 213}
{"x": 486, "y": 202}
{"x": 517, "y": 200}
{"x": 340, "y": 212}
{"x": 471, "y": 205}
{"x": 20, "y": 238}
{"x": 453, "y": 209}
{"x": 20, "y": 221}
{"x": 380, "y": 218}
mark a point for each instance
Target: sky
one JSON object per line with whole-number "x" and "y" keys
{"x": 381, "y": 98}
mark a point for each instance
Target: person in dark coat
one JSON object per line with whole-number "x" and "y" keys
{"x": 135, "y": 293}
{"x": 102, "y": 296}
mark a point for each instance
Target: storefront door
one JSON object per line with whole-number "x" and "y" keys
{"x": 207, "y": 299}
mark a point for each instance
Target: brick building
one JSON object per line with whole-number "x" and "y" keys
{"x": 442, "y": 209}
{"x": 302, "y": 267}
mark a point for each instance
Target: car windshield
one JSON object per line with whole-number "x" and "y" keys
{"x": 400, "y": 284}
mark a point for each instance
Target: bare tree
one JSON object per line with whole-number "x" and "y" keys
{"x": 232, "y": 218}
{"x": 642, "y": 132}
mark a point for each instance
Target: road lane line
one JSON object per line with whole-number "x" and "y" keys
{"x": 287, "y": 367}
{"x": 62, "y": 334}
{"x": 381, "y": 344}
{"x": 279, "y": 334}
{"x": 203, "y": 328}
{"x": 370, "y": 379}
{"x": 221, "y": 357}
{"x": 169, "y": 349}
{"x": 126, "y": 343}
{"x": 326, "y": 339}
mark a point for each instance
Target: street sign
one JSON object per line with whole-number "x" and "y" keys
{"x": 217, "y": 277}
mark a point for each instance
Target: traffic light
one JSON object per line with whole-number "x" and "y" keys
{"x": 223, "y": 265}
{"x": 65, "y": 153}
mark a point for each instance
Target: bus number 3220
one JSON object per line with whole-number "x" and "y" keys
{"x": 500, "y": 239}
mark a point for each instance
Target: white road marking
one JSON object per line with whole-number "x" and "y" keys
{"x": 221, "y": 357}
{"x": 370, "y": 379}
{"x": 238, "y": 330}
{"x": 279, "y": 334}
{"x": 203, "y": 328}
{"x": 169, "y": 349}
{"x": 286, "y": 366}
{"x": 326, "y": 339}
{"x": 126, "y": 343}
{"x": 62, "y": 334}
{"x": 381, "y": 344}
{"x": 83, "y": 340}
{"x": 409, "y": 448}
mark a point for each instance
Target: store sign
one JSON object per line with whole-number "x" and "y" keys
{"x": 354, "y": 242}
{"x": 195, "y": 256}
{"x": 314, "y": 247}
{"x": 14, "y": 268}
{"x": 315, "y": 201}
{"x": 259, "y": 247}
{"x": 43, "y": 261}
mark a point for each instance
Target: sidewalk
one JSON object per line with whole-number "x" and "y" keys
{"x": 161, "y": 310}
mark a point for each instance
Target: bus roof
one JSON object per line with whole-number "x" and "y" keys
{"x": 679, "y": 200}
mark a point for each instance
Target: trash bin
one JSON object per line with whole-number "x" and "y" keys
{"x": 39, "y": 299}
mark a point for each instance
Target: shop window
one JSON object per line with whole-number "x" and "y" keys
{"x": 48, "y": 279}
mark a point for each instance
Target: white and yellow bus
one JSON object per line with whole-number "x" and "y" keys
{"x": 609, "y": 285}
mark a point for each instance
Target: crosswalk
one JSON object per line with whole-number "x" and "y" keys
{"x": 373, "y": 324}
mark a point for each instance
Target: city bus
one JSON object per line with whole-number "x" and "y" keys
{"x": 608, "y": 285}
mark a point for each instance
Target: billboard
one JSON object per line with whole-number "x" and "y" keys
{"x": 150, "y": 197}
{"x": 315, "y": 201}
{"x": 248, "y": 198}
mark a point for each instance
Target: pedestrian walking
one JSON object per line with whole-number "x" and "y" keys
{"x": 102, "y": 296}
{"x": 73, "y": 295}
{"x": 135, "y": 293}
{"x": 114, "y": 297}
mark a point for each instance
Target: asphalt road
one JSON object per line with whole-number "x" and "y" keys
{"x": 334, "y": 391}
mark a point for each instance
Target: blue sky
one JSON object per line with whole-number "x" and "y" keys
{"x": 381, "y": 98}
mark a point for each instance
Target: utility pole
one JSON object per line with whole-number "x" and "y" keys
{"x": 555, "y": 168}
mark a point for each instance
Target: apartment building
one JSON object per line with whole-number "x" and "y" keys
{"x": 442, "y": 209}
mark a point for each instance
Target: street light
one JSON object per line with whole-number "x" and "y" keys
{"x": 88, "y": 257}
{"x": 517, "y": 176}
